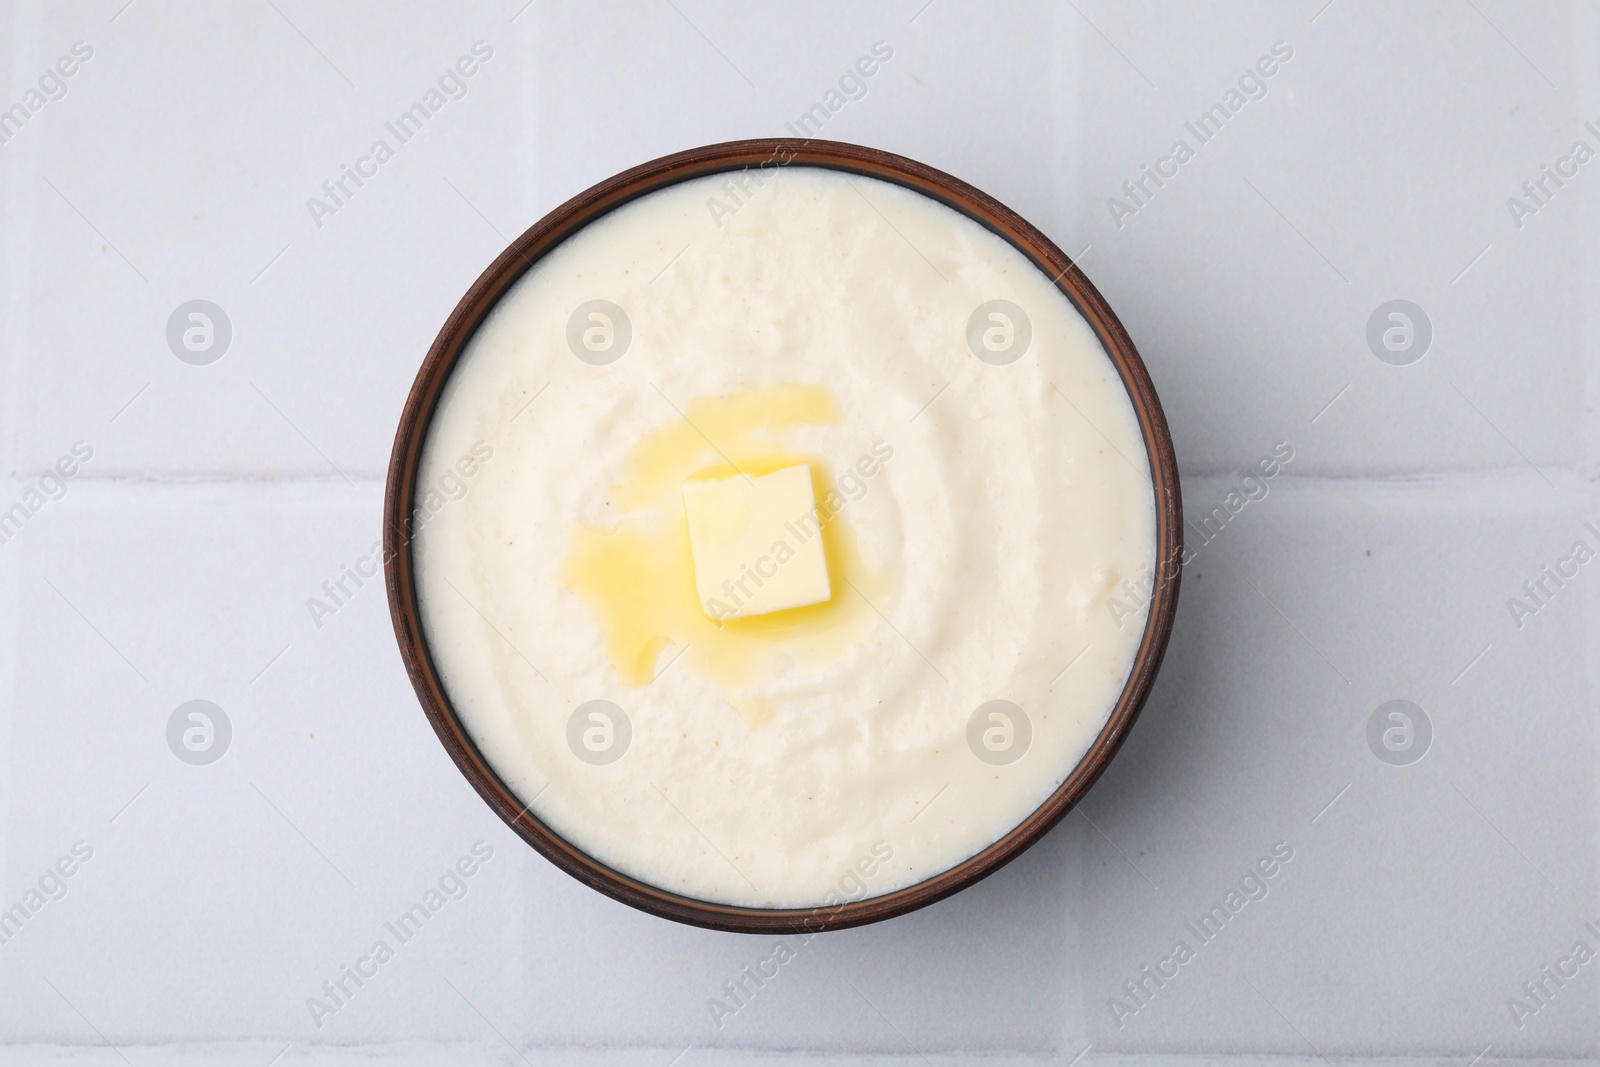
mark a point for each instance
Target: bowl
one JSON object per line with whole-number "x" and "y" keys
{"x": 563, "y": 222}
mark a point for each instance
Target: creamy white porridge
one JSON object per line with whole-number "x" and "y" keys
{"x": 982, "y": 505}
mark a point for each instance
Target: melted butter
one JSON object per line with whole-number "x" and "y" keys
{"x": 637, "y": 577}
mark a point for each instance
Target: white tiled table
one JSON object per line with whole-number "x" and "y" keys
{"x": 220, "y": 497}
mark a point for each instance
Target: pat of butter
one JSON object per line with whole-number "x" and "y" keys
{"x": 757, "y": 543}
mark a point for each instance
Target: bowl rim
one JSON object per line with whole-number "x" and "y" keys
{"x": 547, "y": 234}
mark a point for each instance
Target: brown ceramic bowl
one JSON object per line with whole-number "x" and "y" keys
{"x": 566, "y": 220}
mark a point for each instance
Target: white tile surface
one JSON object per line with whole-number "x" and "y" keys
{"x": 219, "y": 898}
